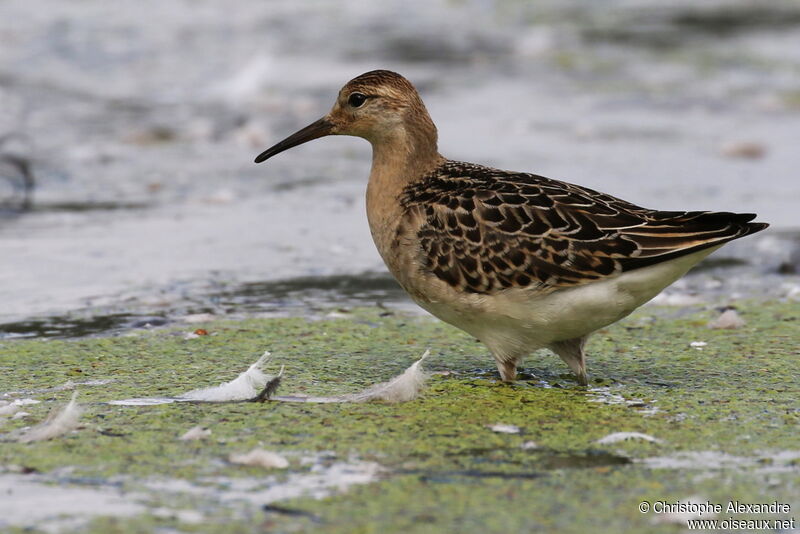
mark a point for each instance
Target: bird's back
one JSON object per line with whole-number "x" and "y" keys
{"x": 484, "y": 230}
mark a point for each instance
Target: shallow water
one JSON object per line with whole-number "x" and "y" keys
{"x": 141, "y": 123}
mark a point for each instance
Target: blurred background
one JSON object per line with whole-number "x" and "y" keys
{"x": 128, "y": 195}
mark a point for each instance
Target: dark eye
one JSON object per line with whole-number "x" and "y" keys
{"x": 357, "y": 99}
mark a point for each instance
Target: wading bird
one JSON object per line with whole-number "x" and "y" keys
{"x": 517, "y": 260}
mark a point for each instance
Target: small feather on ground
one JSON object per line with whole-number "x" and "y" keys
{"x": 59, "y": 422}
{"x": 624, "y": 436}
{"x": 728, "y": 320}
{"x": 245, "y": 386}
{"x": 502, "y": 428}
{"x": 249, "y": 385}
{"x": 195, "y": 433}
{"x": 260, "y": 458}
{"x": 402, "y": 388}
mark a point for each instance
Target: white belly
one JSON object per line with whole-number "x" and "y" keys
{"x": 520, "y": 321}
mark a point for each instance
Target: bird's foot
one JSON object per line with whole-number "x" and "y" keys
{"x": 508, "y": 371}
{"x": 582, "y": 378}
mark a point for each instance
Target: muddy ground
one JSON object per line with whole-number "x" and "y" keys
{"x": 724, "y": 414}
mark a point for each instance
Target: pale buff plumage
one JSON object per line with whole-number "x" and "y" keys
{"x": 517, "y": 260}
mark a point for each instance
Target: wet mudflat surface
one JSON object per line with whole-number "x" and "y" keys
{"x": 674, "y": 412}
{"x": 147, "y": 221}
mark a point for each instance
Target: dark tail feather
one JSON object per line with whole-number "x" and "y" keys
{"x": 755, "y": 227}
{"x": 732, "y": 225}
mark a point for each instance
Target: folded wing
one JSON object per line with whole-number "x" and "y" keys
{"x": 483, "y": 230}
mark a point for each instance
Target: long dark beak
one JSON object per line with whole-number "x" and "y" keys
{"x": 314, "y": 130}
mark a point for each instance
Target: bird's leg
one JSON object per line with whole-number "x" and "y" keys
{"x": 571, "y": 351}
{"x": 507, "y": 367}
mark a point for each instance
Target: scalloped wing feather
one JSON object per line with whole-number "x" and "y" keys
{"x": 483, "y": 230}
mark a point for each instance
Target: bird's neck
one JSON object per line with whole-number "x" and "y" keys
{"x": 399, "y": 157}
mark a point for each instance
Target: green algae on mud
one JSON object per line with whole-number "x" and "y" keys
{"x": 727, "y": 413}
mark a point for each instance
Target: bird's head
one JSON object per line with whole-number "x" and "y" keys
{"x": 380, "y": 106}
